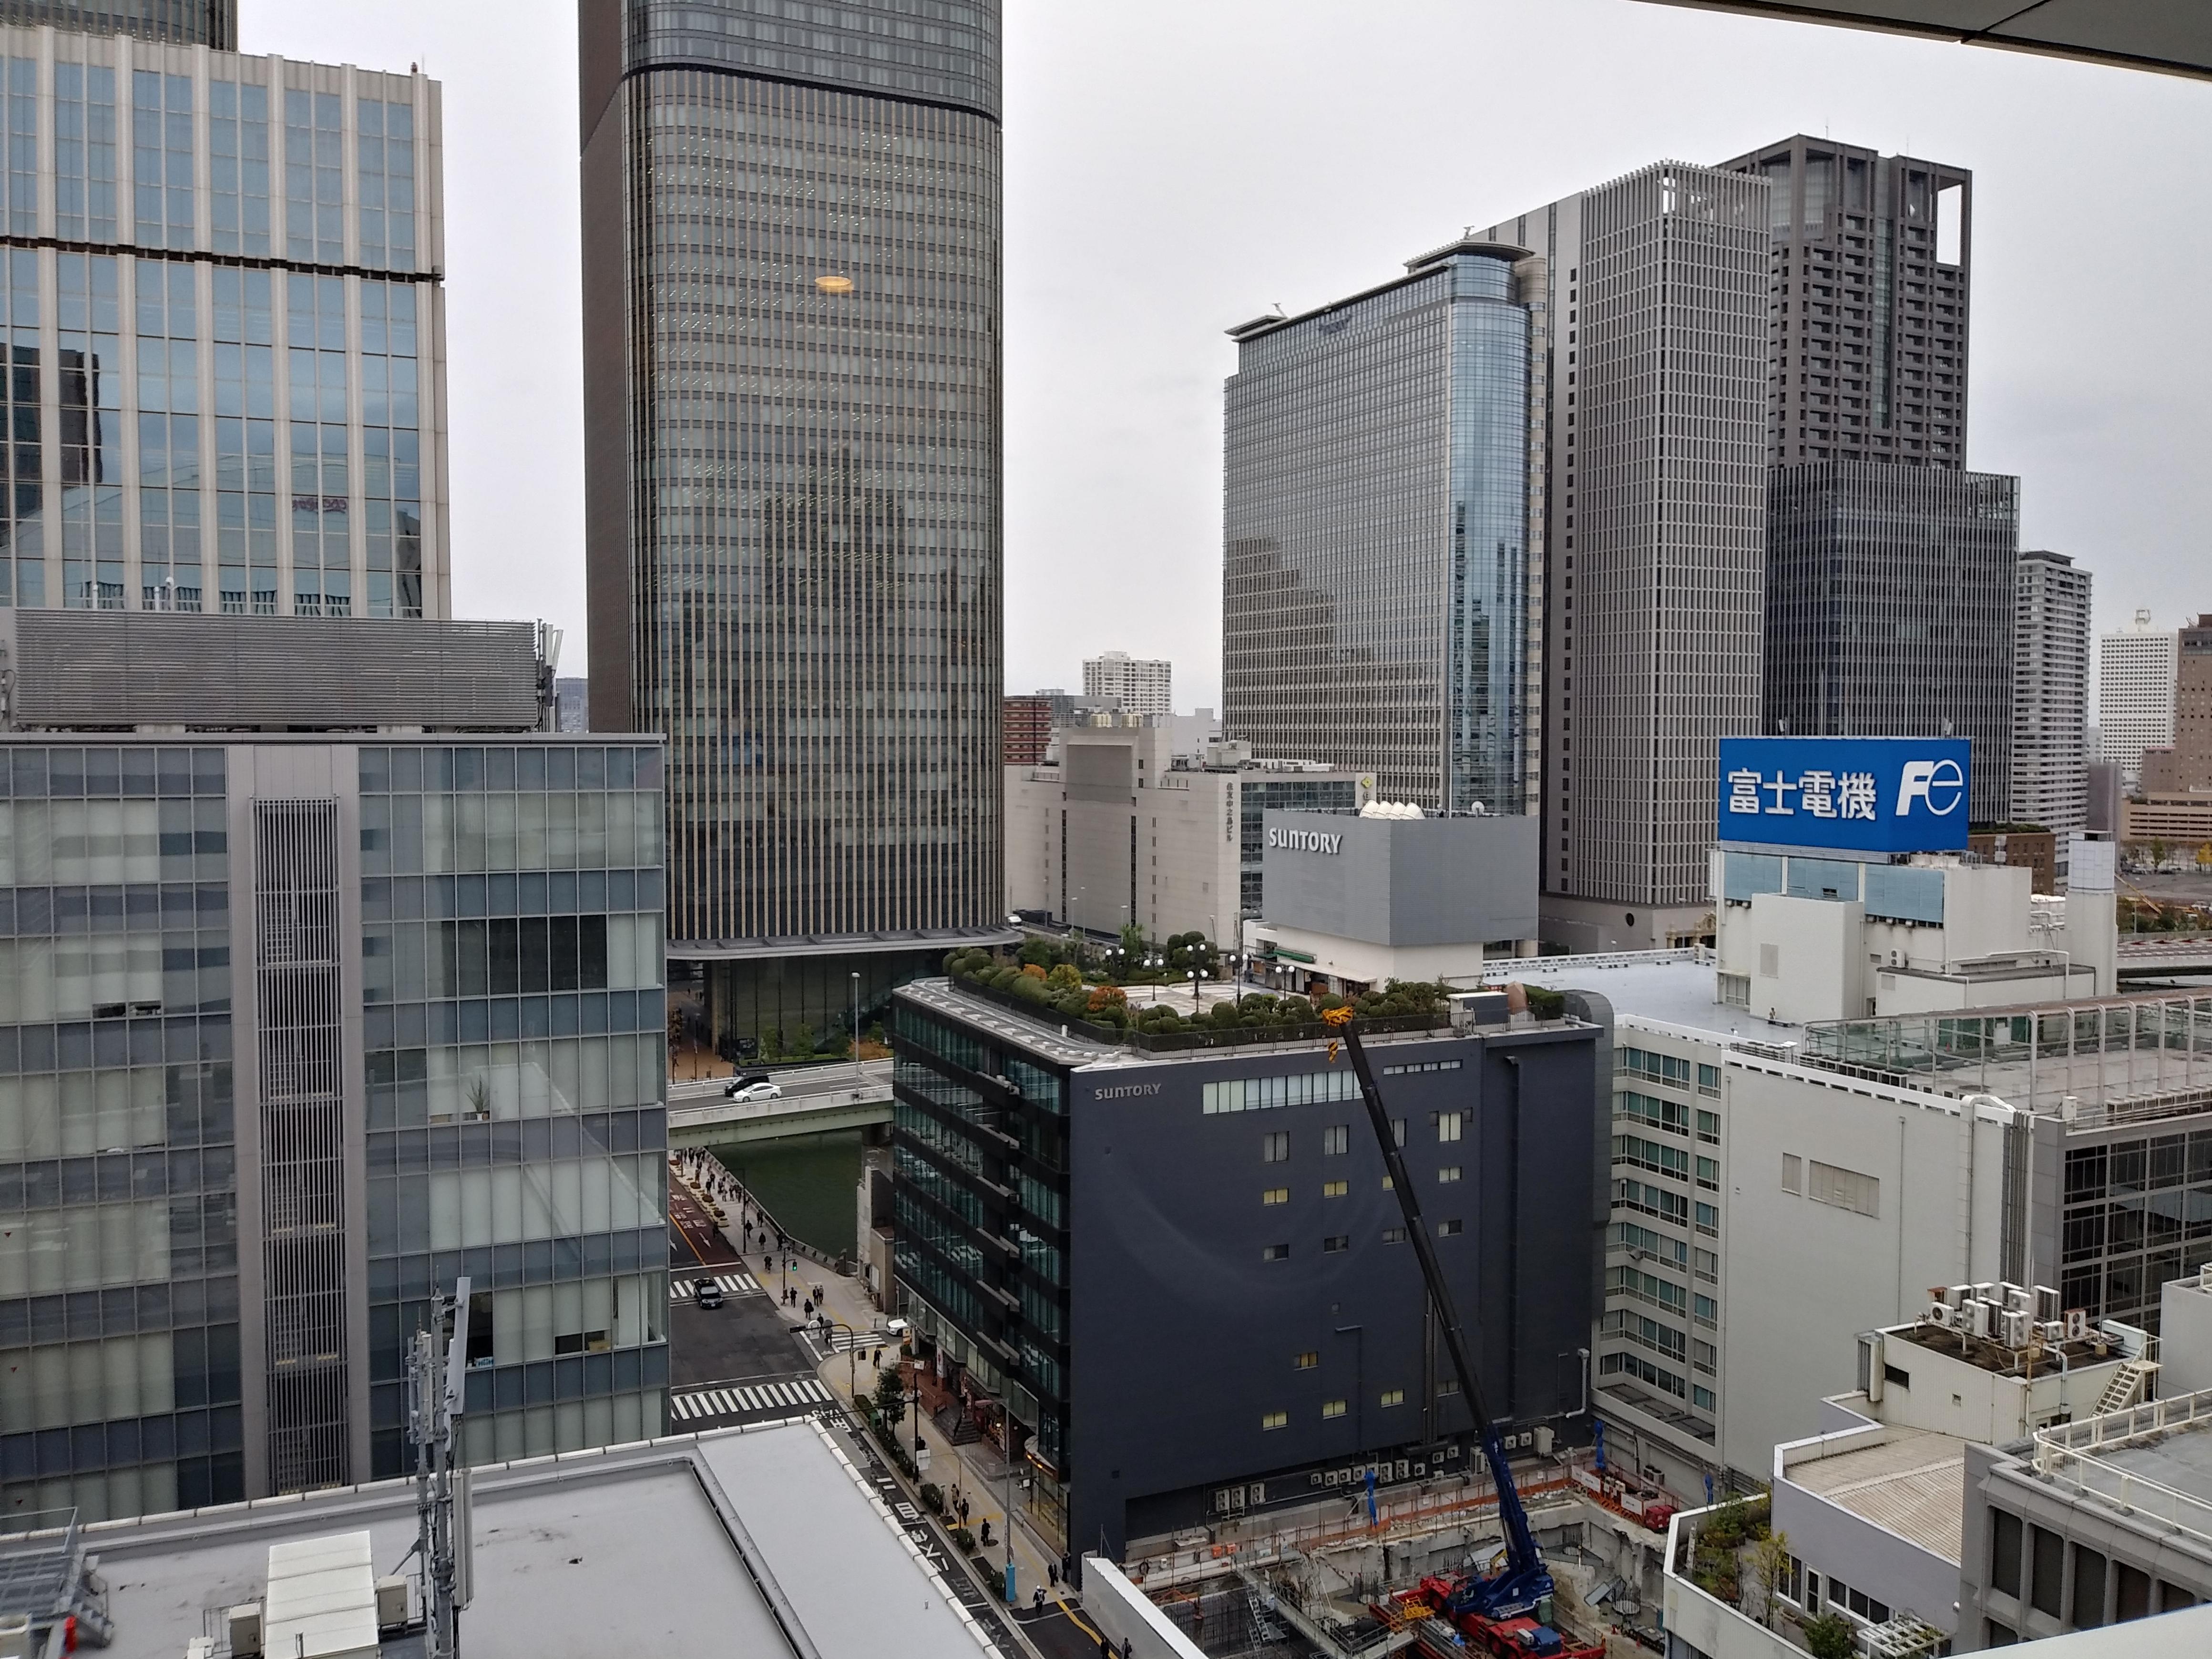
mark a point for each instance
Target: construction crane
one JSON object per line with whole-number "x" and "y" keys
{"x": 1523, "y": 1584}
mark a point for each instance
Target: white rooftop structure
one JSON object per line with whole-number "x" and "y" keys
{"x": 756, "y": 1540}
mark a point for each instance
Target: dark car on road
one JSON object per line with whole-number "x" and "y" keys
{"x": 707, "y": 1293}
{"x": 742, "y": 1081}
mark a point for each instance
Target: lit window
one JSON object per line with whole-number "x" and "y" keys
{"x": 1274, "y": 1420}
{"x": 1306, "y": 1361}
{"x": 1334, "y": 1188}
{"x": 1332, "y": 1408}
{"x": 1276, "y": 1195}
{"x": 1448, "y": 1173}
{"x": 1393, "y": 1396}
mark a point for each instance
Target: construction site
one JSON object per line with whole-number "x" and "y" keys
{"x": 1345, "y": 1580}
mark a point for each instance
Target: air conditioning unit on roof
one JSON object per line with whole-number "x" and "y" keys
{"x": 2015, "y": 1327}
{"x": 1942, "y": 1313}
{"x": 2077, "y": 1324}
{"x": 1980, "y": 1317}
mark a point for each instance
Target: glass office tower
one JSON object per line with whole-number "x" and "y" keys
{"x": 1377, "y": 578}
{"x": 185, "y": 22}
{"x": 1889, "y": 608}
{"x": 792, "y": 385}
{"x": 224, "y": 329}
{"x": 292, "y": 1032}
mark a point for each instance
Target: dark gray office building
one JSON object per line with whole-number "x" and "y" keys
{"x": 1889, "y": 608}
{"x": 1870, "y": 270}
{"x": 791, "y": 360}
{"x": 1377, "y": 579}
{"x": 1174, "y": 1281}
{"x": 182, "y": 22}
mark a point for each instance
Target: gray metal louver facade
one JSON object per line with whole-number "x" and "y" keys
{"x": 89, "y": 669}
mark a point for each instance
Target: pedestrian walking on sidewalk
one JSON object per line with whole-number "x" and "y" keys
{"x": 1036, "y": 1598}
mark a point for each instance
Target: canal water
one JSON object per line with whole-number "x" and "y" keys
{"x": 808, "y": 1183}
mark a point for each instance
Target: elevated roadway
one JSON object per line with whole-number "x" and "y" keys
{"x": 815, "y": 1099}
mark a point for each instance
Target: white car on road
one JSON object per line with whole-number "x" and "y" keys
{"x": 755, "y": 1091}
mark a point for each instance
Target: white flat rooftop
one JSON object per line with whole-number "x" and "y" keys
{"x": 1670, "y": 987}
{"x": 1913, "y": 1483}
{"x": 693, "y": 1545}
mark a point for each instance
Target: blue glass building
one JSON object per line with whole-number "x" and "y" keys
{"x": 1377, "y": 582}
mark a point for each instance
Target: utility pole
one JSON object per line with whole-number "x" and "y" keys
{"x": 441, "y": 1490}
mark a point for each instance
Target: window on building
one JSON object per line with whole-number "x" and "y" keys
{"x": 1846, "y": 1189}
{"x": 1334, "y": 1188}
{"x": 2004, "y": 1551}
{"x": 1275, "y": 1148}
{"x": 1275, "y": 1252}
{"x": 2132, "y": 1597}
{"x": 1709, "y": 1127}
{"x": 1332, "y": 1408}
{"x": 1393, "y": 1396}
{"x": 1336, "y": 1140}
{"x": 1448, "y": 1124}
{"x": 1335, "y": 1242}
{"x": 1447, "y": 1174}
{"x": 1793, "y": 1174}
{"x": 1274, "y": 1420}
{"x": 1394, "y": 1235}
{"x": 1276, "y": 1195}
{"x": 1306, "y": 1361}
{"x": 2048, "y": 1567}
{"x": 2088, "y": 1588}
{"x": 1448, "y": 1229}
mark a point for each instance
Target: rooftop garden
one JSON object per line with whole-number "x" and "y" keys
{"x": 1092, "y": 989}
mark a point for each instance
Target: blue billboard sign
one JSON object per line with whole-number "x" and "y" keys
{"x": 1851, "y": 795}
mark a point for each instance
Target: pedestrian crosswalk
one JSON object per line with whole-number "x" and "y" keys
{"x": 843, "y": 1337}
{"x": 794, "y": 1395}
{"x": 683, "y": 1288}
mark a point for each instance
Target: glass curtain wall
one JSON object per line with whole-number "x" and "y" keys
{"x": 511, "y": 975}
{"x": 117, "y": 497}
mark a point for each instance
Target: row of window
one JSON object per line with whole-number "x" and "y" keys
{"x": 2029, "y": 1563}
{"x": 1335, "y": 1243}
{"x": 1331, "y": 1408}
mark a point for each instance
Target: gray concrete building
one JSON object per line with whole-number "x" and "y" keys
{"x": 2051, "y": 697}
{"x": 1891, "y": 599}
{"x": 224, "y": 298}
{"x": 1137, "y": 685}
{"x": 1379, "y": 578}
{"x": 1654, "y": 598}
{"x": 1168, "y": 1272}
{"x": 792, "y": 477}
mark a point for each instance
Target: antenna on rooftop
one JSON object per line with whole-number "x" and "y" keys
{"x": 435, "y": 1383}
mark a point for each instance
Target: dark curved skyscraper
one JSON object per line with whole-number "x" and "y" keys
{"x": 791, "y": 384}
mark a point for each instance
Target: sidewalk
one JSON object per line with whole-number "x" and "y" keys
{"x": 978, "y": 1469}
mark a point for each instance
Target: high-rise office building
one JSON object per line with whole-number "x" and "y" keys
{"x": 184, "y": 22}
{"x": 1889, "y": 608}
{"x": 1142, "y": 685}
{"x": 296, "y": 1026}
{"x": 2136, "y": 666}
{"x": 1655, "y": 447}
{"x": 1869, "y": 272}
{"x": 1376, "y": 579}
{"x": 2185, "y": 765}
{"x": 791, "y": 351}
{"x": 2051, "y": 697}
{"x": 225, "y": 323}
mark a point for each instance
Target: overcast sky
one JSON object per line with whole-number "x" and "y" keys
{"x": 1174, "y": 166}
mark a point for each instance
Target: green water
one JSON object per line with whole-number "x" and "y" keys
{"x": 808, "y": 1183}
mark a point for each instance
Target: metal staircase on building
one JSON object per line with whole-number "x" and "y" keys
{"x": 50, "y": 1577}
{"x": 2129, "y": 1386}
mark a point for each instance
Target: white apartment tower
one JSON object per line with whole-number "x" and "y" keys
{"x": 2050, "y": 696}
{"x": 1144, "y": 685}
{"x": 1654, "y": 531}
{"x": 2136, "y": 670}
